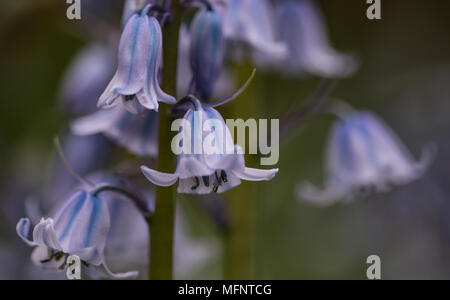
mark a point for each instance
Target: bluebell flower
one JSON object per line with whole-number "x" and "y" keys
{"x": 140, "y": 57}
{"x": 208, "y": 161}
{"x": 252, "y": 22}
{"x": 85, "y": 79}
{"x": 137, "y": 133}
{"x": 364, "y": 154}
{"x": 206, "y": 51}
{"x": 80, "y": 227}
{"x": 224, "y": 84}
{"x": 302, "y": 28}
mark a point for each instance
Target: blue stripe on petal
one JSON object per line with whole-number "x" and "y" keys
{"x": 75, "y": 211}
{"x": 93, "y": 221}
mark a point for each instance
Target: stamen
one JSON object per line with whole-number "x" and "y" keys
{"x": 197, "y": 184}
{"x": 218, "y": 179}
{"x": 224, "y": 176}
{"x": 206, "y": 180}
{"x": 129, "y": 97}
{"x": 59, "y": 255}
{"x": 51, "y": 254}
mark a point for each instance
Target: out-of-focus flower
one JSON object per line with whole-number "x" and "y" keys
{"x": 224, "y": 84}
{"x": 251, "y": 23}
{"x": 191, "y": 254}
{"x": 206, "y": 51}
{"x": 87, "y": 225}
{"x": 364, "y": 154}
{"x": 213, "y": 163}
{"x": 80, "y": 227}
{"x": 140, "y": 56}
{"x": 137, "y": 133}
{"x": 85, "y": 79}
{"x": 302, "y": 28}
{"x": 128, "y": 239}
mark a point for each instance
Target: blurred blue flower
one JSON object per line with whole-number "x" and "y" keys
{"x": 140, "y": 57}
{"x": 302, "y": 28}
{"x": 223, "y": 86}
{"x": 80, "y": 227}
{"x": 207, "y": 166}
{"x": 252, "y": 22}
{"x": 90, "y": 70}
{"x": 206, "y": 51}
{"x": 364, "y": 154}
{"x": 137, "y": 133}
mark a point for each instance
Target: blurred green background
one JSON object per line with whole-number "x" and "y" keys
{"x": 404, "y": 77}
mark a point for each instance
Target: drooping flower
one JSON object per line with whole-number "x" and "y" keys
{"x": 208, "y": 160}
{"x": 84, "y": 225}
{"x": 224, "y": 84}
{"x": 302, "y": 28}
{"x": 206, "y": 51}
{"x": 79, "y": 228}
{"x": 250, "y": 22}
{"x": 85, "y": 79}
{"x": 364, "y": 154}
{"x": 137, "y": 133}
{"x": 140, "y": 57}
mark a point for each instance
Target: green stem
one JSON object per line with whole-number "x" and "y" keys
{"x": 163, "y": 220}
{"x": 241, "y": 238}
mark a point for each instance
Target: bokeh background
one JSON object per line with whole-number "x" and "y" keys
{"x": 404, "y": 77}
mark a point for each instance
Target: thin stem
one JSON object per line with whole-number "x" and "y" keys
{"x": 66, "y": 164}
{"x": 240, "y": 239}
{"x": 235, "y": 95}
{"x": 293, "y": 120}
{"x": 163, "y": 221}
{"x": 138, "y": 201}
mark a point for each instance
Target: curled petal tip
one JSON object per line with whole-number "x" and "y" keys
{"x": 159, "y": 178}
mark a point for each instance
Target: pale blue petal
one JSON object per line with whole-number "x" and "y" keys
{"x": 44, "y": 234}
{"x": 159, "y": 178}
{"x": 104, "y": 270}
{"x": 133, "y": 55}
{"x": 152, "y": 93}
{"x": 98, "y": 122}
{"x": 251, "y": 174}
{"x": 82, "y": 225}
{"x": 23, "y": 229}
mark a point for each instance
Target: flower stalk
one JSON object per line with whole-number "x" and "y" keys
{"x": 163, "y": 221}
{"x": 240, "y": 239}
